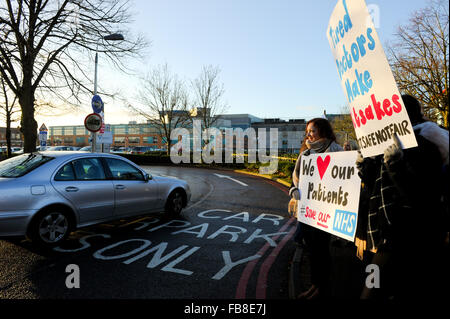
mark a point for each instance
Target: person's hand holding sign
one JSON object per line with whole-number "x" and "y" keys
{"x": 294, "y": 192}
{"x": 394, "y": 152}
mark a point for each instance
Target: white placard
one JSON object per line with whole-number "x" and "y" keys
{"x": 376, "y": 106}
{"x": 330, "y": 188}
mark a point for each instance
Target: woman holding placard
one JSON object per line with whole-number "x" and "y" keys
{"x": 320, "y": 138}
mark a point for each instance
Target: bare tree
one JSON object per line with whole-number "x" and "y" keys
{"x": 8, "y": 110}
{"x": 164, "y": 101}
{"x": 208, "y": 96}
{"x": 43, "y": 44}
{"x": 419, "y": 59}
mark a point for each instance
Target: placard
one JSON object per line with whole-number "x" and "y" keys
{"x": 330, "y": 188}
{"x": 376, "y": 106}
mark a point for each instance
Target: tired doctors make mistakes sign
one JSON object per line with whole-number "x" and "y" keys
{"x": 330, "y": 187}
{"x": 376, "y": 106}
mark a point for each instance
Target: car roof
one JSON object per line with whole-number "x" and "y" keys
{"x": 72, "y": 153}
{"x": 60, "y": 157}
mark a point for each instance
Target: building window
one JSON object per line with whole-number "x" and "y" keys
{"x": 120, "y": 130}
{"x": 149, "y": 130}
{"x": 133, "y": 130}
{"x": 80, "y": 131}
{"x": 119, "y": 139}
{"x": 134, "y": 140}
{"x": 68, "y": 130}
{"x": 57, "y": 131}
{"x": 81, "y": 140}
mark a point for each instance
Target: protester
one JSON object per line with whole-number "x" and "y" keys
{"x": 293, "y": 203}
{"x": 404, "y": 213}
{"x": 320, "y": 138}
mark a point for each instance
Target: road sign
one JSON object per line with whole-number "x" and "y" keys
{"x": 43, "y": 128}
{"x": 42, "y": 135}
{"x": 93, "y": 122}
{"x": 105, "y": 138}
{"x": 97, "y": 104}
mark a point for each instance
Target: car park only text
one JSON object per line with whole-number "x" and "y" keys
{"x": 135, "y": 249}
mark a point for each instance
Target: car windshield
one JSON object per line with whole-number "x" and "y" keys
{"x": 23, "y": 164}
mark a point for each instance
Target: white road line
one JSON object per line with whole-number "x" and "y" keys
{"x": 234, "y": 180}
{"x": 211, "y": 189}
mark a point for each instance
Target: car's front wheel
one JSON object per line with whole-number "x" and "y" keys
{"x": 50, "y": 228}
{"x": 174, "y": 203}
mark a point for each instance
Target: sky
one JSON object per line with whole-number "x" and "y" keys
{"x": 274, "y": 55}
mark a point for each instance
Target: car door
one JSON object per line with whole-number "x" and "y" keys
{"x": 83, "y": 182}
{"x": 133, "y": 193}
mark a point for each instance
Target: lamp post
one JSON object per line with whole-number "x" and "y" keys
{"x": 110, "y": 37}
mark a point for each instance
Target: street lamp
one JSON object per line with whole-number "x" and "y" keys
{"x": 110, "y": 37}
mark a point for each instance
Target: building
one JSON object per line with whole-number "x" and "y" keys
{"x": 332, "y": 117}
{"x": 126, "y": 135}
{"x": 290, "y": 133}
{"x": 16, "y": 137}
{"x": 242, "y": 121}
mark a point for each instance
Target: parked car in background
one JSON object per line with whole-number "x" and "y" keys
{"x": 14, "y": 149}
{"x": 86, "y": 148}
{"x": 141, "y": 149}
{"x": 62, "y": 148}
{"x": 46, "y": 195}
{"x": 119, "y": 150}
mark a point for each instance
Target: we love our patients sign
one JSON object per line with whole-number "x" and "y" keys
{"x": 376, "y": 106}
{"x": 330, "y": 187}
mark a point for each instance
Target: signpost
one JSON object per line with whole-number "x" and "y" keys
{"x": 43, "y": 136}
{"x": 93, "y": 123}
{"x": 97, "y": 106}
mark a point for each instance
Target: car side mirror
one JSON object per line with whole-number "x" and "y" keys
{"x": 148, "y": 177}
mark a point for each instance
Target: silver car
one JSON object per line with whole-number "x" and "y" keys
{"x": 46, "y": 195}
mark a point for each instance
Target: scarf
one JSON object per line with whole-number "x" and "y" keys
{"x": 319, "y": 146}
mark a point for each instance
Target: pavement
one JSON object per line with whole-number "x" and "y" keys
{"x": 347, "y": 271}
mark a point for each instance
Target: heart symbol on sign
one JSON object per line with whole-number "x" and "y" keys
{"x": 322, "y": 165}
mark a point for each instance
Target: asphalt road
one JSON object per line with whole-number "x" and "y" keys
{"x": 233, "y": 241}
